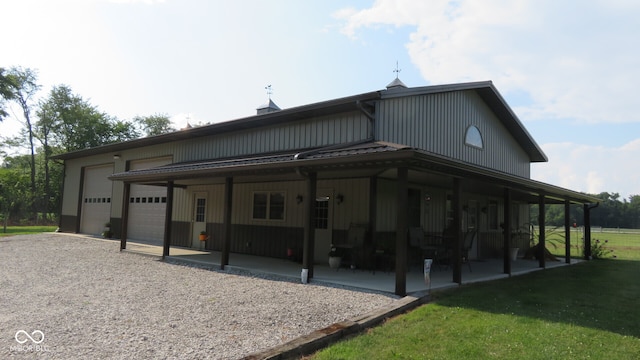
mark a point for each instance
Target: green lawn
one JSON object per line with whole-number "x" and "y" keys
{"x": 25, "y": 230}
{"x": 590, "y": 310}
{"x": 625, "y": 245}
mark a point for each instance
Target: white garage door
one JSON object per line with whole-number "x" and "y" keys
{"x": 147, "y": 206}
{"x": 96, "y": 199}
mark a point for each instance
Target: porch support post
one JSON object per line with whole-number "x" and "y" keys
{"x": 541, "y": 230}
{"x": 226, "y": 235}
{"x": 567, "y": 232}
{"x": 506, "y": 230}
{"x": 402, "y": 230}
{"x": 309, "y": 228}
{"x": 125, "y": 215}
{"x": 168, "y": 220}
{"x": 456, "y": 253}
{"x": 373, "y": 214}
{"x": 79, "y": 205}
{"x": 587, "y": 232}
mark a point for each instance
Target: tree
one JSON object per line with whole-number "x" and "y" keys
{"x": 6, "y": 92}
{"x": 14, "y": 188}
{"x": 70, "y": 123}
{"x": 122, "y": 131}
{"x": 154, "y": 124}
{"x": 634, "y": 211}
{"x": 24, "y": 86}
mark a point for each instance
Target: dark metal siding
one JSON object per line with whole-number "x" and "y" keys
{"x": 307, "y": 133}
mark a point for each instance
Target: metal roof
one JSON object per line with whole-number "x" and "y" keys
{"x": 485, "y": 89}
{"x": 282, "y": 160}
{"x": 370, "y": 154}
{"x": 350, "y": 103}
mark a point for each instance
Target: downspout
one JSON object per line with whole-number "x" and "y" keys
{"x": 372, "y": 120}
{"x": 370, "y": 116}
{"x": 587, "y": 229}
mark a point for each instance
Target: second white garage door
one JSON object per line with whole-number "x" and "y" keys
{"x": 147, "y": 206}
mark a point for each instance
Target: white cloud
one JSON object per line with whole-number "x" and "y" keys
{"x": 591, "y": 169}
{"x": 572, "y": 61}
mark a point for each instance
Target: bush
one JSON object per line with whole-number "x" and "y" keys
{"x": 599, "y": 249}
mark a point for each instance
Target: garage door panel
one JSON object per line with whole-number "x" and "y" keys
{"x": 147, "y": 206}
{"x": 96, "y": 199}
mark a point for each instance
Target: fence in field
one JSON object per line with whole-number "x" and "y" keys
{"x": 623, "y": 242}
{"x": 600, "y": 229}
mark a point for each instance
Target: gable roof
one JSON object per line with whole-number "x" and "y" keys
{"x": 485, "y": 90}
{"x": 490, "y": 95}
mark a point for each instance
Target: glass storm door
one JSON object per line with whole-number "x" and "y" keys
{"x": 322, "y": 222}
{"x": 199, "y": 219}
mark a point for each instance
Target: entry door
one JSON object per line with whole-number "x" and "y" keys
{"x": 199, "y": 219}
{"x": 323, "y": 219}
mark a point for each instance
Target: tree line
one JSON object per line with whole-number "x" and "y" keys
{"x": 611, "y": 212}
{"x": 58, "y": 122}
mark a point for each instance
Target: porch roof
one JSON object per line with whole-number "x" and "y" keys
{"x": 376, "y": 156}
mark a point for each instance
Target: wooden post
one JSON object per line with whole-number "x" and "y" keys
{"x": 309, "y": 224}
{"x": 567, "y": 232}
{"x": 168, "y": 220}
{"x": 507, "y": 232}
{"x": 456, "y": 249}
{"x": 125, "y": 215}
{"x": 80, "y": 196}
{"x": 373, "y": 216}
{"x": 541, "y": 230}
{"x": 402, "y": 230}
{"x": 226, "y": 236}
{"x": 587, "y": 232}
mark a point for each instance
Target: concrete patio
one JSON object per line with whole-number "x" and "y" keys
{"x": 441, "y": 276}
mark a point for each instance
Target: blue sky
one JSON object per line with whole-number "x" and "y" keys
{"x": 567, "y": 68}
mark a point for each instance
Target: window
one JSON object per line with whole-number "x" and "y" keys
{"x": 321, "y": 218}
{"x": 276, "y": 206}
{"x": 473, "y": 137}
{"x": 269, "y": 205}
{"x": 201, "y": 204}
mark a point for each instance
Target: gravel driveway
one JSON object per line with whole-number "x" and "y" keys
{"x": 69, "y": 297}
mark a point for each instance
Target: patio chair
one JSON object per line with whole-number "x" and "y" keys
{"x": 355, "y": 244}
{"x": 418, "y": 247}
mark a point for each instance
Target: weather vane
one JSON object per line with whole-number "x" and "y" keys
{"x": 397, "y": 70}
{"x": 269, "y": 91}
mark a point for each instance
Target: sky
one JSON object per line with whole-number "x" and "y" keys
{"x": 566, "y": 68}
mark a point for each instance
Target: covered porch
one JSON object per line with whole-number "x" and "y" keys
{"x": 399, "y": 167}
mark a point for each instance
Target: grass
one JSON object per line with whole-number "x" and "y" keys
{"x": 625, "y": 245}
{"x": 26, "y": 230}
{"x": 589, "y": 310}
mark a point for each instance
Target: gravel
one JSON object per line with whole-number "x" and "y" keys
{"x": 91, "y": 301}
